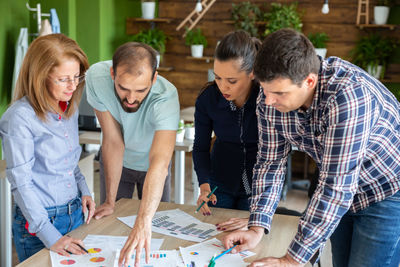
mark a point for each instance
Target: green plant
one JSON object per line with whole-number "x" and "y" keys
{"x": 245, "y": 15}
{"x": 283, "y": 16}
{"x": 373, "y": 50}
{"x": 385, "y": 2}
{"x": 153, "y": 37}
{"x": 318, "y": 39}
{"x": 195, "y": 37}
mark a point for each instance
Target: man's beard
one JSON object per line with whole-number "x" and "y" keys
{"x": 123, "y": 102}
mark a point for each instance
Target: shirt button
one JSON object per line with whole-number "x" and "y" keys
{"x": 66, "y": 135}
{"x": 70, "y": 173}
{"x": 69, "y": 185}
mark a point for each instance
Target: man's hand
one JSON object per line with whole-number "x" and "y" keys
{"x": 104, "y": 210}
{"x": 233, "y": 224}
{"x": 204, "y": 191}
{"x": 67, "y": 245}
{"x": 247, "y": 239}
{"x": 88, "y": 205}
{"x": 139, "y": 238}
{"x": 285, "y": 261}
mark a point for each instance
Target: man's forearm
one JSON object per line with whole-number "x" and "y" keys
{"x": 112, "y": 163}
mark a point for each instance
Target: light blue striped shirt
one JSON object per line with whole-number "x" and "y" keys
{"x": 42, "y": 164}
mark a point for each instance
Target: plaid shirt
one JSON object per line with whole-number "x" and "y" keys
{"x": 351, "y": 130}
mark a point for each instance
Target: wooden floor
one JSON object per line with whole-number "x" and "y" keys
{"x": 296, "y": 200}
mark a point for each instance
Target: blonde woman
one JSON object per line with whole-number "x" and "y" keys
{"x": 39, "y": 134}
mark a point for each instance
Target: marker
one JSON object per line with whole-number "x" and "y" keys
{"x": 209, "y": 195}
{"x": 223, "y": 253}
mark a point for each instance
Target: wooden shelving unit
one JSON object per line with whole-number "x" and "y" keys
{"x": 206, "y": 59}
{"x": 165, "y": 20}
{"x": 232, "y": 22}
{"x": 165, "y": 69}
{"x": 387, "y": 26}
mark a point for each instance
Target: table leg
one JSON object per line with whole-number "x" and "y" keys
{"x": 5, "y": 223}
{"x": 179, "y": 177}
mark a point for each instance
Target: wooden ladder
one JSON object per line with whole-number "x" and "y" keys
{"x": 363, "y": 5}
{"x": 194, "y": 17}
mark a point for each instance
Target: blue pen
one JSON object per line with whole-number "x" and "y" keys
{"x": 223, "y": 253}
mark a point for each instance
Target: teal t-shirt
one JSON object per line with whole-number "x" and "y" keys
{"x": 159, "y": 111}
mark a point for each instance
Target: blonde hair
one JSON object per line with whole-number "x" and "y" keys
{"x": 45, "y": 53}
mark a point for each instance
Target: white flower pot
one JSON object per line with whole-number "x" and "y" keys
{"x": 381, "y": 14}
{"x": 321, "y": 52}
{"x": 197, "y": 50}
{"x": 189, "y": 133}
{"x": 375, "y": 71}
{"x": 158, "y": 59}
{"x": 148, "y": 10}
{"x": 180, "y": 134}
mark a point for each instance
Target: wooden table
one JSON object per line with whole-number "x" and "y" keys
{"x": 274, "y": 244}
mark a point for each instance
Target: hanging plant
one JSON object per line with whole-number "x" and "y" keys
{"x": 245, "y": 15}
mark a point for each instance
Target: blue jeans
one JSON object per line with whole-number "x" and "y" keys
{"x": 370, "y": 237}
{"x": 229, "y": 200}
{"x": 26, "y": 244}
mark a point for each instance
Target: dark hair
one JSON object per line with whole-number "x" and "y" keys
{"x": 238, "y": 45}
{"x": 286, "y": 54}
{"x": 131, "y": 55}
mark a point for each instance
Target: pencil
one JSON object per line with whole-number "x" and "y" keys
{"x": 209, "y": 195}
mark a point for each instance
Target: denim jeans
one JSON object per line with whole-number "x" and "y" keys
{"x": 229, "y": 200}
{"x": 26, "y": 244}
{"x": 370, "y": 237}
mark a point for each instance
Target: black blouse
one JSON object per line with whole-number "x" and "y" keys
{"x": 234, "y": 152}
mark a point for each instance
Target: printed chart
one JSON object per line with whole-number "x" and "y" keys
{"x": 102, "y": 250}
{"x": 162, "y": 258}
{"x": 178, "y": 224}
{"x": 202, "y": 253}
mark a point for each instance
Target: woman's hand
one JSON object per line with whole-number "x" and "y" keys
{"x": 67, "y": 245}
{"x": 204, "y": 191}
{"x": 233, "y": 224}
{"x": 88, "y": 205}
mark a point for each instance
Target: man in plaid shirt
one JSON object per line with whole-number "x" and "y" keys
{"x": 349, "y": 123}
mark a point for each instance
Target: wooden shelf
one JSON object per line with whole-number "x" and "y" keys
{"x": 166, "y": 20}
{"x": 390, "y": 80}
{"x": 207, "y": 59}
{"x": 232, "y": 22}
{"x": 389, "y": 26}
{"x": 162, "y": 68}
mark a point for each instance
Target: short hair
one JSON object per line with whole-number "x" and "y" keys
{"x": 238, "y": 45}
{"x": 286, "y": 53}
{"x": 43, "y": 55}
{"x": 131, "y": 55}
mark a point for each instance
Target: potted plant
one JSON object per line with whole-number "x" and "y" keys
{"x": 372, "y": 53}
{"x": 282, "y": 16}
{"x": 189, "y": 131}
{"x": 319, "y": 40}
{"x": 148, "y": 9}
{"x": 197, "y": 41}
{"x": 381, "y": 11}
{"x": 153, "y": 37}
{"x": 245, "y": 15}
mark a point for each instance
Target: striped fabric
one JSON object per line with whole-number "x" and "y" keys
{"x": 351, "y": 130}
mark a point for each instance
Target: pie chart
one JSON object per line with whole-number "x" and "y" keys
{"x": 194, "y": 253}
{"x": 94, "y": 250}
{"x": 67, "y": 262}
{"x": 97, "y": 259}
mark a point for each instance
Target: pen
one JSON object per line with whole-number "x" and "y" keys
{"x": 79, "y": 246}
{"x": 209, "y": 195}
{"x": 223, "y": 253}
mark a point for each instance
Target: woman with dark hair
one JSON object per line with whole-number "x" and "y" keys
{"x": 40, "y": 139}
{"x": 226, "y": 107}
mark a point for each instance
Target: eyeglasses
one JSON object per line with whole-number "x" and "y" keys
{"x": 66, "y": 81}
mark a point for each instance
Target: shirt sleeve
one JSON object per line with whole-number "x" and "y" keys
{"x": 166, "y": 112}
{"x": 202, "y": 142}
{"x": 92, "y": 93}
{"x": 349, "y": 120}
{"x": 81, "y": 182}
{"x": 18, "y": 146}
{"x": 269, "y": 170}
